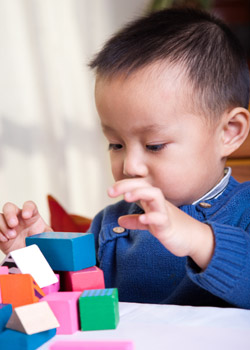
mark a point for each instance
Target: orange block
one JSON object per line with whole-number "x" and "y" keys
{"x": 19, "y": 289}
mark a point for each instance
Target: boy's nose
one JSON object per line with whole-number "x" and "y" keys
{"x": 134, "y": 166}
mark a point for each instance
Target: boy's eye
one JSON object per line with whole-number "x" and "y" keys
{"x": 155, "y": 148}
{"x": 114, "y": 146}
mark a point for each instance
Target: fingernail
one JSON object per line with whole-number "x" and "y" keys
{"x": 12, "y": 222}
{"x": 11, "y": 233}
{"x": 127, "y": 195}
{"x": 25, "y": 214}
{"x": 111, "y": 191}
{"x": 142, "y": 218}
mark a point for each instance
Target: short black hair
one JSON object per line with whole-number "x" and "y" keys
{"x": 211, "y": 56}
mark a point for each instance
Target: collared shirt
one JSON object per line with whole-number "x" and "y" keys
{"x": 218, "y": 189}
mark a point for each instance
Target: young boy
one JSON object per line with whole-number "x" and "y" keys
{"x": 172, "y": 91}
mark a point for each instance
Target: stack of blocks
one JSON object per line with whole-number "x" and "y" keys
{"x": 53, "y": 256}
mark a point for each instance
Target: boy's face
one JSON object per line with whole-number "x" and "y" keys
{"x": 154, "y": 134}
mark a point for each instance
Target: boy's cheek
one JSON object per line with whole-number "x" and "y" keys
{"x": 117, "y": 171}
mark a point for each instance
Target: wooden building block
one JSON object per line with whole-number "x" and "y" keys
{"x": 65, "y": 307}
{"x": 66, "y": 251}
{"x": 14, "y": 340}
{"x": 92, "y": 345}
{"x": 99, "y": 309}
{"x": 31, "y": 260}
{"x": 5, "y": 313}
{"x": 32, "y": 318}
{"x": 19, "y": 289}
{"x": 53, "y": 287}
{"x": 90, "y": 278}
{"x": 4, "y": 270}
{"x": 9, "y": 262}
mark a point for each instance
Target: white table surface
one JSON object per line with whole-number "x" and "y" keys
{"x": 163, "y": 327}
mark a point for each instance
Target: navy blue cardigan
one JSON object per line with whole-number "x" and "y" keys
{"x": 144, "y": 271}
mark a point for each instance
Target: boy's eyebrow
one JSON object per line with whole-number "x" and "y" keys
{"x": 147, "y": 128}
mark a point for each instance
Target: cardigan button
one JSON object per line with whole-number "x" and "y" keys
{"x": 118, "y": 229}
{"x": 205, "y": 205}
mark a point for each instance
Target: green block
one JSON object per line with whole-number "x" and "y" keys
{"x": 99, "y": 309}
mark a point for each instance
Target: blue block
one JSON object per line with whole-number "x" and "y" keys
{"x": 5, "y": 313}
{"x": 13, "y": 340}
{"x": 66, "y": 251}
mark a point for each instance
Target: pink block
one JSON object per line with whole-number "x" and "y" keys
{"x": 90, "y": 278}
{"x": 92, "y": 345}
{"x": 53, "y": 287}
{"x": 65, "y": 307}
{"x": 4, "y": 270}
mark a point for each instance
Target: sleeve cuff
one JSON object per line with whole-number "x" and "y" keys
{"x": 227, "y": 264}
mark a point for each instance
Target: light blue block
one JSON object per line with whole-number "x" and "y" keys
{"x": 66, "y": 251}
{"x": 13, "y": 340}
{"x": 5, "y": 313}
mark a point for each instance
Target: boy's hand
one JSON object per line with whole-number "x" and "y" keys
{"x": 181, "y": 234}
{"x": 17, "y": 224}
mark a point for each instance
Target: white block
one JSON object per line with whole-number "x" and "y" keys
{"x": 33, "y": 318}
{"x": 31, "y": 260}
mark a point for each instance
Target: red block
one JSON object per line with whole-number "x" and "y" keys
{"x": 90, "y": 278}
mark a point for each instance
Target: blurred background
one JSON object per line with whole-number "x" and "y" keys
{"x": 50, "y": 139}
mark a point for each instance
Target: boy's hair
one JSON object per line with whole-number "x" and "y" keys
{"x": 210, "y": 55}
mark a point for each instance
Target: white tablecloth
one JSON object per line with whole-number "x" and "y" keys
{"x": 163, "y": 327}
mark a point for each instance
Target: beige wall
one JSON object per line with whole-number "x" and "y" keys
{"x": 50, "y": 140}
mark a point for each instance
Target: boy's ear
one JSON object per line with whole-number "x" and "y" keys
{"x": 236, "y": 124}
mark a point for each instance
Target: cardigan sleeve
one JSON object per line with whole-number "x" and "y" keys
{"x": 228, "y": 273}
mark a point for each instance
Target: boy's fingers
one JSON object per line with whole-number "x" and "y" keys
{"x": 131, "y": 222}
{"x": 127, "y": 185}
{"x": 155, "y": 222}
{"x": 3, "y": 238}
{"x": 151, "y": 198}
{"x": 10, "y": 212}
{"x": 154, "y": 218}
{"x": 5, "y": 232}
{"x": 29, "y": 209}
